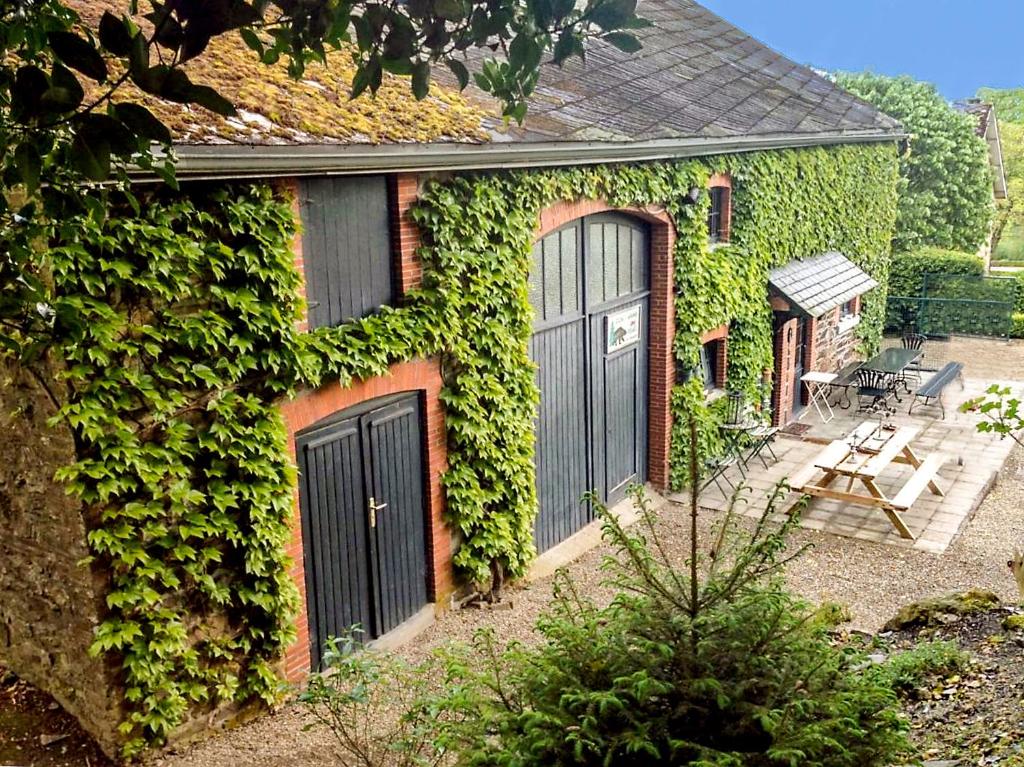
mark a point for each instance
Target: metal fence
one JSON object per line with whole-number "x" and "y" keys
{"x": 943, "y": 317}
{"x": 954, "y": 304}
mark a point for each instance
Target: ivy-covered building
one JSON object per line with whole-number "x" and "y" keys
{"x": 451, "y": 326}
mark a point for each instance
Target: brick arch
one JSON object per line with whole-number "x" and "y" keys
{"x": 661, "y": 364}
{"x": 314, "y": 405}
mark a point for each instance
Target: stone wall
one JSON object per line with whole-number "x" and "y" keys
{"x": 49, "y": 602}
{"x": 833, "y": 346}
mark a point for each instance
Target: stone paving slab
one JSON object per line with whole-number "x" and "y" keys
{"x": 973, "y": 461}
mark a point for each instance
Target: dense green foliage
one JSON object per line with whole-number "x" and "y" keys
{"x": 1009, "y": 103}
{"x": 947, "y": 197}
{"x": 71, "y": 88}
{"x": 907, "y": 270}
{"x": 740, "y": 676}
{"x": 938, "y": 275}
{"x": 190, "y": 341}
{"x": 718, "y": 669}
{"x": 178, "y": 334}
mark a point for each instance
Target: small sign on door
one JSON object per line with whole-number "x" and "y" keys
{"x": 623, "y": 328}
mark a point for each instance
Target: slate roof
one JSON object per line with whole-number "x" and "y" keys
{"x": 816, "y": 285}
{"x": 697, "y": 77}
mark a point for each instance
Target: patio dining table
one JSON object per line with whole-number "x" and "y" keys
{"x": 892, "y": 362}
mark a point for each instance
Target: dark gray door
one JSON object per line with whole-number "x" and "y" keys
{"x": 362, "y": 503}
{"x": 589, "y": 289}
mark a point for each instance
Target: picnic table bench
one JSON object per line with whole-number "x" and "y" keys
{"x": 862, "y": 456}
{"x": 932, "y": 388}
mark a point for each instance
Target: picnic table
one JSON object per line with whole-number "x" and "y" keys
{"x": 860, "y": 458}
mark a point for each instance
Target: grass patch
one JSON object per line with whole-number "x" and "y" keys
{"x": 909, "y": 670}
{"x": 1010, "y": 250}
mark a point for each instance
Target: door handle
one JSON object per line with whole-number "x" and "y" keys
{"x": 374, "y": 508}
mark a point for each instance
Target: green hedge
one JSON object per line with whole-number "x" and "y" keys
{"x": 907, "y": 270}
{"x": 1017, "y": 328}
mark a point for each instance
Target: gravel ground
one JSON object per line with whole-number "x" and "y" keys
{"x": 873, "y": 580}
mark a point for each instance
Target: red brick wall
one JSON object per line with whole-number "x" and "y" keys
{"x": 405, "y": 237}
{"x": 291, "y": 188}
{"x": 312, "y": 406}
{"x": 661, "y": 366}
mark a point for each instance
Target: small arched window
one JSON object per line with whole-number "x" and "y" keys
{"x": 720, "y": 190}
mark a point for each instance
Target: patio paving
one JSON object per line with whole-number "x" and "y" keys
{"x": 973, "y": 461}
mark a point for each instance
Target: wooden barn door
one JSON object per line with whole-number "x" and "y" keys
{"x": 362, "y": 501}
{"x": 589, "y": 290}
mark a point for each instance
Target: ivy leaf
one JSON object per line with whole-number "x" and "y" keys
{"x": 78, "y": 53}
{"x": 30, "y": 82}
{"x": 114, "y": 35}
{"x": 565, "y": 47}
{"x": 107, "y": 129}
{"x": 449, "y": 10}
{"x": 205, "y": 96}
{"x": 91, "y": 156}
{"x": 612, "y": 14}
{"x": 65, "y": 92}
{"x": 252, "y": 40}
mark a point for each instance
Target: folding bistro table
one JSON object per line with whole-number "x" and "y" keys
{"x": 860, "y": 457}
{"x": 818, "y": 388}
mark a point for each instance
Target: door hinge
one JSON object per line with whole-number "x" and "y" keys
{"x": 374, "y": 508}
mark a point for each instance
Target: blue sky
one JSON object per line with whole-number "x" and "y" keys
{"x": 959, "y": 45}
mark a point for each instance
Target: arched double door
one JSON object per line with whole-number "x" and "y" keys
{"x": 363, "y": 503}
{"x": 590, "y": 289}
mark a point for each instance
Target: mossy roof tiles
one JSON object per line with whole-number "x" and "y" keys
{"x": 697, "y": 76}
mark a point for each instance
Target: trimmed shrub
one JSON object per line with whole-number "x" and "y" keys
{"x": 1017, "y": 325}
{"x": 907, "y": 270}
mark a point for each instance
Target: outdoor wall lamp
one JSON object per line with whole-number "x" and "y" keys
{"x": 692, "y": 196}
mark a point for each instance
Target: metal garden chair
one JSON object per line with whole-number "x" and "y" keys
{"x": 913, "y": 371}
{"x": 873, "y": 392}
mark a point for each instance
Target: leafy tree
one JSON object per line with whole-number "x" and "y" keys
{"x": 1009, "y": 103}
{"x": 64, "y": 124}
{"x": 947, "y": 199}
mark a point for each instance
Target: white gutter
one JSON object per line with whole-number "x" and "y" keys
{"x": 224, "y": 161}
